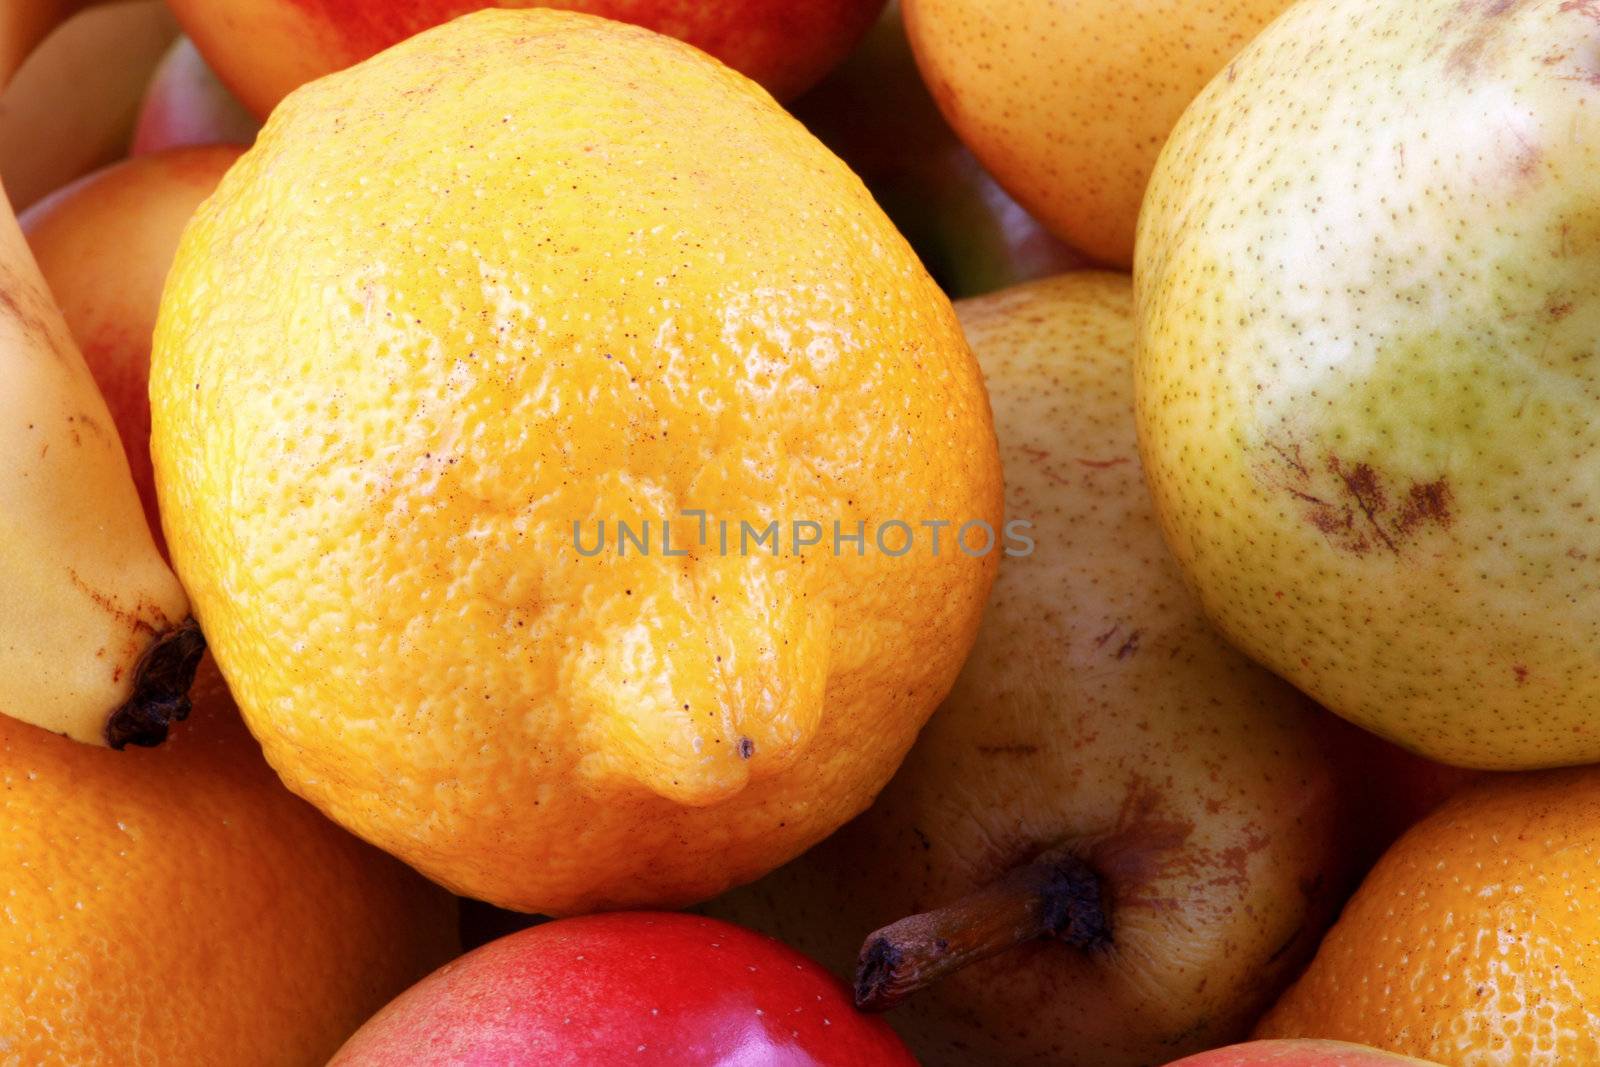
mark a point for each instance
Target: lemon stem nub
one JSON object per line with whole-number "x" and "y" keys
{"x": 1057, "y": 896}
{"x": 160, "y": 688}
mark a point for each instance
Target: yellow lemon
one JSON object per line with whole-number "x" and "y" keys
{"x": 462, "y": 313}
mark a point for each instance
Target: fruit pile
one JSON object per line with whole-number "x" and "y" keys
{"x": 512, "y": 555}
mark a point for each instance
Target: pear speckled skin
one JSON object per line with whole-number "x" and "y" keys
{"x": 529, "y": 271}
{"x": 1100, "y": 711}
{"x": 1068, "y": 104}
{"x": 1369, "y": 374}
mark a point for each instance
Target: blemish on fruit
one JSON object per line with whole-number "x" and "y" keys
{"x": 134, "y": 618}
{"x": 1428, "y": 502}
{"x": 1236, "y": 858}
{"x": 1145, "y": 844}
{"x": 1587, "y": 8}
{"x": 1525, "y": 158}
{"x": 1362, "y": 487}
{"x": 1355, "y": 506}
{"x": 1484, "y": 23}
{"x": 1008, "y": 750}
{"x": 13, "y": 306}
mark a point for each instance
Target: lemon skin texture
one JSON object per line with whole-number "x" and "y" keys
{"x": 529, "y": 270}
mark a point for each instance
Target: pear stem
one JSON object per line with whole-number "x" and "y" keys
{"x": 1057, "y": 896}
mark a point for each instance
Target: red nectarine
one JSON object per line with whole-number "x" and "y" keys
{"x": 640, "y": 987}
{"x": 263, "y": 49}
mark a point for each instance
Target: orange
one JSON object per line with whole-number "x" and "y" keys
{"x": 534, "y": 271}
{"x": 178, "y": 906}
{"x": 1473, "y": 940}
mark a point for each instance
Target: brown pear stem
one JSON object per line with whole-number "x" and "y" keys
{"x": 1058, "y": 896}
{"x": 160, "y": 688}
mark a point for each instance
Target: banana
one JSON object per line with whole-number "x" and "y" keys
{"x": 96, "y": 641}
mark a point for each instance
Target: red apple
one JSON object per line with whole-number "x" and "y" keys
{"x": 1298, "y": 1054}
{"x": 638, "y": 987}
{"x": 105, "y": 244}
{"x": 185, "y": 104}
{"x": 263, "y": 49}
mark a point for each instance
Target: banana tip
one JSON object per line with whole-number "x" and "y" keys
{"x": 160, "y": 689}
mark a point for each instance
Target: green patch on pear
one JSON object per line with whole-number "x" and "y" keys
{"x": 1369, "y": 368}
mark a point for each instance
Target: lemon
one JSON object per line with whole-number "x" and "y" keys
{"x": 465, "y": 309}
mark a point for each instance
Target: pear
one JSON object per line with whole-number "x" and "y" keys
{"x": 1129, "y": 834}
{"x": 1368, "y": 277}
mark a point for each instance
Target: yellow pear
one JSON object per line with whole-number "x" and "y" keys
{"x": 1068, "y": 104}
{"x": 1369, "y": 370}
{"x": 1108, "y": 781}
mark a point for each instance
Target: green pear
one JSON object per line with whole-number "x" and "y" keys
{"x": 1368, "y": 277}
{"x": 1117, "y": 839}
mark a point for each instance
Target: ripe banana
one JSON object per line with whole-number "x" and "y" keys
{"x": 96, "y": 641}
